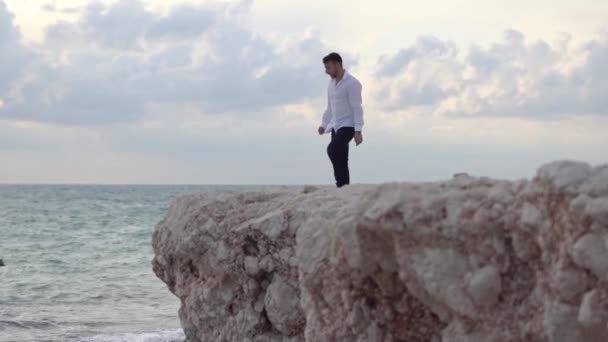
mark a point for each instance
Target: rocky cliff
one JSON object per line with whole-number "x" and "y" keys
{"x": 469, "y": 259}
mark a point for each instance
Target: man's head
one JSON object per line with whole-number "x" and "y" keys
{"x": 333, "y": 64}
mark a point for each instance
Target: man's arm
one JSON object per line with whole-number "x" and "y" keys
{"x": 356, "y": 104}
{"x": 327, "y": 114}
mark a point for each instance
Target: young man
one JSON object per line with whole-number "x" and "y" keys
{"x": 343, "y": 116}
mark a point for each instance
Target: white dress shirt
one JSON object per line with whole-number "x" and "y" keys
{"x": 344, "y": 104}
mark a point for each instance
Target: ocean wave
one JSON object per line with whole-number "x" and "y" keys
{"x": 160, "y": 336}
{"x": 26, "y": 324}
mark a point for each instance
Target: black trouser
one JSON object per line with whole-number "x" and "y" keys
{"x": 337, "y": 150}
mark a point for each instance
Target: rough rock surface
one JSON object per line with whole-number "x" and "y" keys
{"x": 465, "y": 260}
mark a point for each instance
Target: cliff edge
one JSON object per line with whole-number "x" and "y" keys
{"x": 465, "y": 260}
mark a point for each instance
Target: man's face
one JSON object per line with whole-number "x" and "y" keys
{"x": 331, "y": 68}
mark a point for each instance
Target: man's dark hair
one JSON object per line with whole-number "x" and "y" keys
{"x": 332, "y": 57}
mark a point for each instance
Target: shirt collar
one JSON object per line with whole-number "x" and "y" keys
{"x": 344, "y": 77}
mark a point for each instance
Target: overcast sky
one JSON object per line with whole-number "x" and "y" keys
{"x": 227, "y": 92}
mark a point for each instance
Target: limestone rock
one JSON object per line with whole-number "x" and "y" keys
{"x": 591, "y": 252}
{"x": 485, "y": 286}
{"x": 569, "y": 282}
{"x": 592, "y": 311}
{"x": 468, "y": 259}
{"x": 283, "y": 307}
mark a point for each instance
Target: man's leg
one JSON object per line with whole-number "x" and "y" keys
{"x": 338, "y": 154}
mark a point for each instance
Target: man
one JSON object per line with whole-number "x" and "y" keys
{"x": 343, "y": 116}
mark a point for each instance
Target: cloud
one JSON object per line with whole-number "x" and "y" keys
{"x": 511, "y": 78}
{"x": 49, "y": 7}
{"x": 119, "y": 26}
{"x": 119, "y": 62}
{"x": 52, "y": 8}
{"x": 184, "y": 21}
{"x": 420, "y": 75}
{"x": 425, "y": 47}
{"x": 127, "y": 24}
{"x": 14, "y": 57}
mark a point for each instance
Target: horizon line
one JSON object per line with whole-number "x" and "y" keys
{"x": 157, "y": 184}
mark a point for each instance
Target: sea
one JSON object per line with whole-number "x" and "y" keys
{"x": 78, "y": 263}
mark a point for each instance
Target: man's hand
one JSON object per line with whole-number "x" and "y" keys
{"x": 321, "y": 130}
{"x": 358, "y": 138}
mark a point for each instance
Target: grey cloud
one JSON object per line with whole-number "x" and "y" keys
{"x": 238, "y": 71}
{"x": 239, "y": 7}
{"x": 423, "y": 87}
{"x": 8, "y": 33}
{"x": 128, "y": 25}
{"x": 514, "y": 37}
{"x": 52, "y": 8}
{"x": 432, "y": 45}
{"x": 482, "y": 60}
{"x": 511, "y": 55}
{"x": 120, "y": 26}
{"x": 594, "y": 74}
{"x": 548, "y": 92}
{"x": 526, "y": 79}
{"x": 390, "y": 66}
{"x": 64, "y": 34}
{"x": 183, "y": 22}
{"x": 425, "y": 46}
{"x": 70, "y": 10}
{"x": 14, "y": 57}
{"x": 77, "y": 100}
{"x": 419, "y": 95}
{"x": 176, "y": 57}
{"x": 229, "y": 83}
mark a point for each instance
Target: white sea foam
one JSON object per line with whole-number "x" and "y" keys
{"x": 160, "y": 336}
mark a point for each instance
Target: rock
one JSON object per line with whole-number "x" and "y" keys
{"x": 531, "y": 216}
{"x": 590, "y": 252}
{"x": 597, "y": 184}
{"x": 597, "y": 210}
{"x": 440, "y": 273}
{"x": 569, "y": 282}
{"x": 560, "y": 323}
{"x": 566, "y": 176}
{"x": 309, "y": 188}
{"x": 267, "y": 264}
{"x": 283, "y": 307}
{"x": 592, "y": 311}
{"x": 252, "y": 266}
{"x": 468, "y": 259}
{"x": 485, "y": 286}
{"x": 460, "y": 175}
{"x": 525, "y": 246}
{"x": 2, "y": 263}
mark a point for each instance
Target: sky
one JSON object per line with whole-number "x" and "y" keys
{"x": 232, "y": 92}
